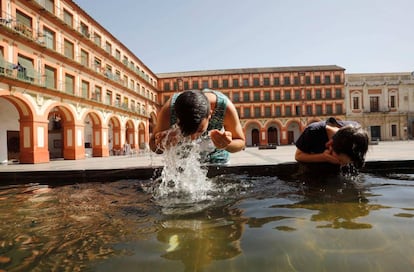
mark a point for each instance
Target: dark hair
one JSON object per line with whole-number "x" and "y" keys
{"x": 191, "y": 108}
{"x": 352, "y": 141}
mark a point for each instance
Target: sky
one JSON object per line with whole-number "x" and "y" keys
{"x": 362, "y": 36}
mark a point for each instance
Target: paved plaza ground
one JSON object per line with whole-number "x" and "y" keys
{"x": 383, "y": 151}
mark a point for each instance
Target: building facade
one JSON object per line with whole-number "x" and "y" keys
{"x": 383, "y": 103}
{"x": 68, "y": 88}
{"x": 274, "y": 104}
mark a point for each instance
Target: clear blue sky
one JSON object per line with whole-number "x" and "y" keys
{"x": 363, "y": 36}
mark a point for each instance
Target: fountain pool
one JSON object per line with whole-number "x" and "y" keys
{"x": 245, "y": 223}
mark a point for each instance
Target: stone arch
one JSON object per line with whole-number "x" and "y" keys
{"x": 141, "y": 136}
{"x": 18, "y": 130}
{"x": 273, "y": 131}
{"x": 114, "y": 135}
{"x": 65, "y": 137}
{"x": 130, "y": 132}
{"x": 94, "y": 133}
{"x": 152, "y": 122}
{"x": 252, "y": 132}
{"x": 293, "y": 131}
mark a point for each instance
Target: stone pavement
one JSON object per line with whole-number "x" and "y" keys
{"x": 384, "y": 151}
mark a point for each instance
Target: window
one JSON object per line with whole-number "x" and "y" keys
{"x": 67, "y": 17}
{"x": 392, "y": 101}
{"x": 118, "y": 55}
{"x": 317, "y": 80}
{"x": 355, "y": 103}
{"x": 236, "y": 97}
{"x": 286, "y": 80}
{"x": 97, "y": 39}
{"x": 297, "y": 95}
{"x": 125, "y": 62}
{"x": 318, "y": 109}
{"x": 97, "y": 65}
{"x": 118, "y": 100}
{"x": 337, "y": 79}
{"x": 49, "y": 5}
{"x": 266, "y": 96}
{"x": 85, "y": 89}
{"x": 307, "y": 80}
{"x": 50, "y": 77}
{"x": 296, "y": 80}
{"x": 308, "y": 94}
{"x": 327, "y": 79}
{"x": 276, "y": 81}
{"x": 84, "y": 58}
{"x": 256, "y": 96}
{"x": 108, "y": 98}
{"x": 338, "y": 93}
{"x": 235, "y": 83}
{"x": 266, "y": 81}
{"x": 297, "y": 110}
{"x": 246, "y": 97}
{"x": 374, "y": 103}
{"x": 318, "y": 94}
{"x": 215, "y": 84}
{"x": 257, "y": 112}
{"x": 277, "y": 95}
{"x": 97, "y": 95}
{"x": 246, "y": 112}
{"x": 49, "y": 38}
{"x": 393, "y": 130}
{"x": 225, "y": 83}
{"x": 68, "y": 49}
{"x": 195, "y": 84}
{"x": 205, "y": 84}
{"x": 84, "y": 29}
{"x": 186, "y": 85}
{"x": 108, "y": 47}
{"x": 245, "y": 82}
{"x": 287, "y": 95}
{"x": 309, "y": 110}
{"x": 278, "y": 111}
{"x": 329, "y": 109}
{"x": 288, "y": 111}
{"x": 24, "y": 24}
{"x": 69, "y": 84}
{"x": 338, "y": 109}
{"x": 167, "y": 86}
{"x": 26, "y": 71}
{"x": 328, "y": 93}
{"x": 256, "y": 82}
{"x": 268, "y": 111}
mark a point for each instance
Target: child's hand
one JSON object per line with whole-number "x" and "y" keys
{"x": 329, "y": 157}
{"x": 221, "y": 139}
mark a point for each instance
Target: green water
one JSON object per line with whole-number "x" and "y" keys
{"x": 248, "y": 224}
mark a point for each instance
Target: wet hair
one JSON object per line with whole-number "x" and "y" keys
{"x": 191, "y": 108}
{"x": 352, "y": 141}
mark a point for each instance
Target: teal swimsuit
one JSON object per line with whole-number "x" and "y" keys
{"x": 216, "y": 122}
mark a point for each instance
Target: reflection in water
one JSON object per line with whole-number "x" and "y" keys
{"x": 245, "y": 224}
{"x": 198, "y": 242}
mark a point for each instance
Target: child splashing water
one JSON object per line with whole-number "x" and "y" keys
{"x": 184, "y": 174}
{"x": 194, "y": 127}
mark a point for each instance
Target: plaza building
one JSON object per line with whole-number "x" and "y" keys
{"x": 383, "y": 103}
{"x": 68, "y": 88}
{"x": 274, "y": 104}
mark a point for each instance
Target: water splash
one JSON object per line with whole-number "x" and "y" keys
{"x": 184, "y": 177}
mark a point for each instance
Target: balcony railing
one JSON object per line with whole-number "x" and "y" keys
{"x": 20, "y": 73}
